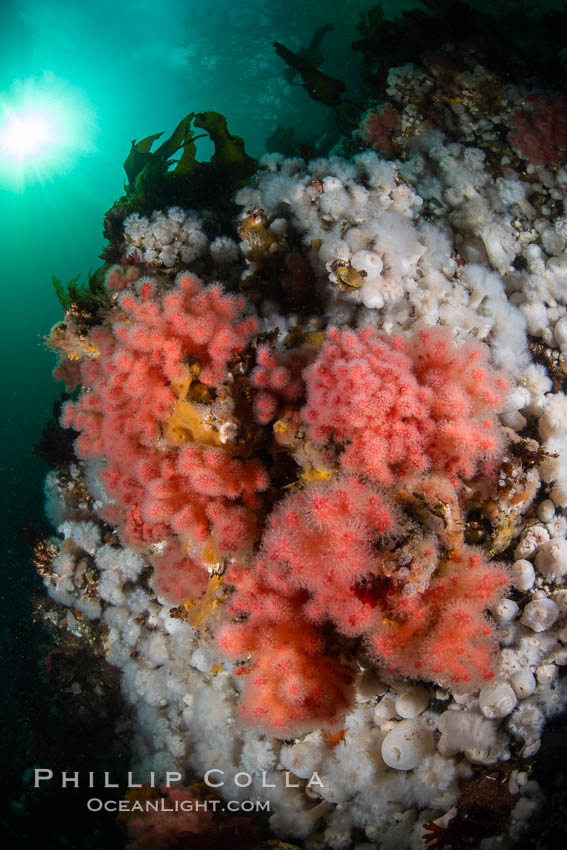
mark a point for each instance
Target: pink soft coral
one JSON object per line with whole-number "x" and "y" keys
{"x": 540, "y": 129}
{"x": 379, "y": 128}
{"x": 402, "y": 405}
{"x": 330, "y": 554}
{"x": 318, "y": 543}
{"x": 323, "y": 540}
{"x": 130, "y": 387}
{"x": 443, "y": 634}
{"x": 143, "y": 355}
{"x": 292, "y": 684}
{"x": 182, "y": 818}
{"x": 277, "y": 377}
{"x": 177, "y": 578}
{"x": 202, "y": 493}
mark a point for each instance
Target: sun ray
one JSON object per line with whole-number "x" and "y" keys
{"x": 46, "y": 124}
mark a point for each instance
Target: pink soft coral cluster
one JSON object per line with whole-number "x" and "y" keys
{"x": 402, "y": 405}
{"x": 182, "y": 818}
{"x": 177, "y": 577}
{"x": 379, "y": 128}
{"x": 292, "y": 683}
{"x": 143, "y": 355}
{"x": 328, "y": 555}
{"x": 317, "y": 544}
{"x": 403, "y": 419}
{"x": 278, "y": 380}
{"x": 119, "y": 277}
{"x": 198, "y": 492}
{"x": 443, "y": 634}
{"x": 540, "y": 129}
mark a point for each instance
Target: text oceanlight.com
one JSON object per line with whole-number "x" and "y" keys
{"x": 95, "y": 804}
